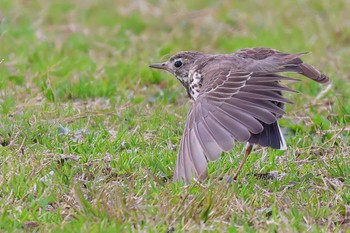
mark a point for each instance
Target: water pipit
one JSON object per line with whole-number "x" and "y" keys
{"x": 236, "y": 97}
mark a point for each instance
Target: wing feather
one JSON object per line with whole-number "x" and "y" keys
{"x": 218, "y": 133}
{"x": 212, "y": 149}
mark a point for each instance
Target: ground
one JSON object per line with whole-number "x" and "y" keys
{"x": 89, "y": 134}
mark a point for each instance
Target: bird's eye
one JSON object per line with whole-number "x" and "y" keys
{"x": 177, "y": 64}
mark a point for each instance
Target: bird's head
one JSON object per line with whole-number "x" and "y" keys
{"x": 179, "y": 65}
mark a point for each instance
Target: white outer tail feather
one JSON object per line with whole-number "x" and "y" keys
{"x": 283, "y": 141}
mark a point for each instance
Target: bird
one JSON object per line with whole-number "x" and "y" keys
{"x": 236, "y": 98}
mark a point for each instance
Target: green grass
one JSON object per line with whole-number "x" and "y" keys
{"x": 89, "y": 134}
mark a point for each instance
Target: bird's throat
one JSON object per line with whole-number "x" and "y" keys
{"x": 184, "y": 82}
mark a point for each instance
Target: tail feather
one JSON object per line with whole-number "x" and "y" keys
{"x": 271, "y": 136}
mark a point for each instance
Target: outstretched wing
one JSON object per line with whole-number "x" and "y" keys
{"x": 235, "y": 106}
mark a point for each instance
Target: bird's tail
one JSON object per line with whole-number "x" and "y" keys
{"x": 271, "y": 136}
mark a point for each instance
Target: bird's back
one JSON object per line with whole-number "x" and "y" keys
{"x": 258, "y": 60}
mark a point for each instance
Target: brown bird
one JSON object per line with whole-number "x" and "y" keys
{"x": 236, "y": 97}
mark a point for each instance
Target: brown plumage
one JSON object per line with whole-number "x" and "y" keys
{"x": 237, "y": 97}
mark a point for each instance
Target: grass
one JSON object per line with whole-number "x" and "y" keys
{"x": 89, "y": 134}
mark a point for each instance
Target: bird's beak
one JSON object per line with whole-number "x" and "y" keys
{"x": 161, "y": 66}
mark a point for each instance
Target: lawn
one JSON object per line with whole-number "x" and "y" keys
{"x": 89, "y": 134}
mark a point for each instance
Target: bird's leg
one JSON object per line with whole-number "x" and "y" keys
{"x": 247, "y": 152}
